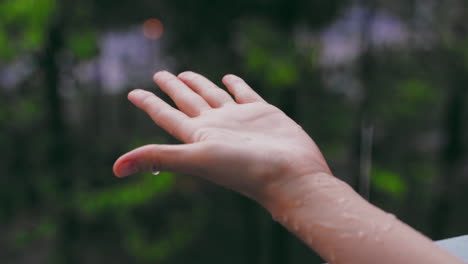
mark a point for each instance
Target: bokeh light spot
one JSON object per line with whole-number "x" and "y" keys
{"x": 153, "y": 28}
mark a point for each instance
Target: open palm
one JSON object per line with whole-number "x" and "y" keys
{"x": 243, "y": 144}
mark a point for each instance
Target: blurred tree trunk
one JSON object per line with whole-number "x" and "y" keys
{"x": 59, "y": 152}
{"x": 359, "y": 162}
{"x": 55, "y": 117}
{"x": 452, "y": 151}
{"x": 252, "y": 244}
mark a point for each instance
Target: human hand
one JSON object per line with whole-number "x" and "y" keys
{"x": 252, "y": 147}
{"x": 244, "y": 144}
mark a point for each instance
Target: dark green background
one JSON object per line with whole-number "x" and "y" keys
{"x": 60, "y": 133}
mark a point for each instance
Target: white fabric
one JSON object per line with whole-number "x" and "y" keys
{"x": 457, "y": 245}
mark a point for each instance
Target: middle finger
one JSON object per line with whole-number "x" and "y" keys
{"x": 185, "y": 98}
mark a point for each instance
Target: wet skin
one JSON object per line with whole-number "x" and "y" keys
{"x": 243, "y": 143}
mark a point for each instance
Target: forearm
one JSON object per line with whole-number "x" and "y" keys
{"x": 342, "y": 227}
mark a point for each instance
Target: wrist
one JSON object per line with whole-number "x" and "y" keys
{"x": 292, "y": 192}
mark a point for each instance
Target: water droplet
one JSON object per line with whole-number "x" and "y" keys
{"x": 349, "y": 217}
{"x": 389, "y": 224}
{"x": 325, "y": 225}
{"x": 274, "y": 217}
{"x": 342, "y": 200}
{"x": 295, "y": 227}
{"x": 360, "y": 234}
{"x": 155, "y": 171}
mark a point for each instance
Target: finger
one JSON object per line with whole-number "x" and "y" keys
{"x": 185, "y": 98}
{"x": 167, "y": 117}
{"x": 212, "y": 94}
{"x": 175, "y": 158}
{"x": 241, "y": 90}
{"x": 212, "y": 161}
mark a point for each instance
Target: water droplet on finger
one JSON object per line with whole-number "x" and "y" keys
{"x": 155, "y": 171}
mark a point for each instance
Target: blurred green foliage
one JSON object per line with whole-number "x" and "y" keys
{"x": 64, "y": 120}
{"x": 413, "y": 95}
{"x": 179, "y": 234}
{"x": 389, "y": 182}
{"x": 45, "y": 229}
{"x": 84, "y": 44}
{"x": 23, "y": 25}
{"x": 126, "y": 197}
{"x": 269, "y": 55}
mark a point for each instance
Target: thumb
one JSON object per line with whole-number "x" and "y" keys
{"x": 176, "y": 158}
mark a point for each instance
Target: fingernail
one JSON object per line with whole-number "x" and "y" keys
{"x": 186, "y": 75}
{"x": 136, "y": 93}
{"x": 128, "y": 168}
{"x": 231, "y": 78}
{"x": 160, "y": 73}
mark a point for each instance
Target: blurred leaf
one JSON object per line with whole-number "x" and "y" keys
{"x": 156, "y": 250}
{"x": 415, "y": 91}
{"x": 268, "y": 53}
{"x": 282, "y": 72}
{"x": 181, "y": 231}
{"x": 26, "y": 111}
{"x": 33, "y": 37}
{"x": 84, "y": 44}
{"x": 23, "y": 25}
{"x": 412, "y": 98}
{"x": 127, "y": 196}
{"x": 6, "y": 52}
{"x": 425, "y": 172}
{"x": 45, "y": 229}
{"x": 35, "y": 11}
{"x": 388, "y": 182}
{"x": 257, "y": 59}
